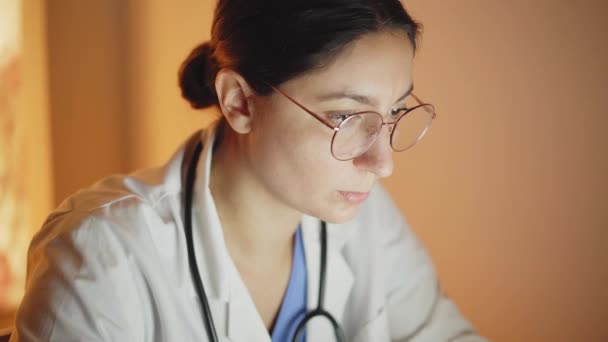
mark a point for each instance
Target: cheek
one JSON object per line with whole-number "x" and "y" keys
{"x": 294, "y": 155}
{"x": 302, "y": 154}
{"x": 291, "y": 156}
{"x": 287, "y": 138}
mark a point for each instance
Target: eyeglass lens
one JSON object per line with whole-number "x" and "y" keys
{"x": 359, "y": 132}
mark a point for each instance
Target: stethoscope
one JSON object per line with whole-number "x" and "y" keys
{"x": 189, "y": 164}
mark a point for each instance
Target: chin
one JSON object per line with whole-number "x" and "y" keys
{"x": 335, "y": 211}
{"x": 342, "y": 215}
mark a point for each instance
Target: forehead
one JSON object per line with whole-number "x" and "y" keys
{"x": 378, "y": 64}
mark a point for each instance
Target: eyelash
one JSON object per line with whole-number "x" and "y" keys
{"x": 399, "y": 111}
{"x": 339, "y": 118}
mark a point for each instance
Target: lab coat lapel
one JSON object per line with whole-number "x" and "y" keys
{"x": 339, "y": 278}
{"x": 208, "y": 240}
{"x": 211, "y": 254}
{"x": 238, "y": 319}
{"x": 244, "y": 321}
{"x": 233, "y": 311}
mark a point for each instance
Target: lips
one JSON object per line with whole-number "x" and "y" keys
{"x": 354, "y": 197}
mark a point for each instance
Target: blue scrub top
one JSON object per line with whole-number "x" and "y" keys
{"x": 293, "y": 308}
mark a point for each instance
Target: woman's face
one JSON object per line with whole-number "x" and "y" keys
{"x": 289, "y": 151}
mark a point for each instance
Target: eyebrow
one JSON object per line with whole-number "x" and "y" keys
{"x": 358, "y": 97}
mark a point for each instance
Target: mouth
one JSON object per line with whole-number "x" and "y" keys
{"x": 353, "y": 197}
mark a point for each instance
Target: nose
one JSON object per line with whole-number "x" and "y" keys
{"x": 379, "y": 158}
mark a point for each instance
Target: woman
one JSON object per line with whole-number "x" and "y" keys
{"x": 229, "y": 240}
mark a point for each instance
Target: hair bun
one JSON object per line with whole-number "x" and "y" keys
{"x": 197, "y": 77}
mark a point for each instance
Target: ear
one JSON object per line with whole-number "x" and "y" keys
{"x": 234, "y": 94}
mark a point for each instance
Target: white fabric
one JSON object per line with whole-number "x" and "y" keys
{"x": 110, "y": 264}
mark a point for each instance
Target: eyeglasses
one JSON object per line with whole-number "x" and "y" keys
{"x": 355, "y": 133}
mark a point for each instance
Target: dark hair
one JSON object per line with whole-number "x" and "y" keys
{"x": 269, "y": 42}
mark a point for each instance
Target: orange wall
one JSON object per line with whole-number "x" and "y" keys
{"x": 86, "y": 91}
{"x": 508, "y": 190}
{"x": 159, "y": 36}
{"x": 34, "y": 105}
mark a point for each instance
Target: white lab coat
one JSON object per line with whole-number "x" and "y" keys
{"x": 110, "y": 264}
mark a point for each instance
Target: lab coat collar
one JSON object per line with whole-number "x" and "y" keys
{"x": 232, "y": 308}
{"x": 211, "y": 254}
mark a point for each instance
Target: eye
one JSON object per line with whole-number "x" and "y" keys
{"x": 397, "y": 112}
{"x": 337, "y": 119}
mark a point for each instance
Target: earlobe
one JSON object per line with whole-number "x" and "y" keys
{"x": 233, "y": 94}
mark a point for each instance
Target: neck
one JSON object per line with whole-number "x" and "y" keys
{"x": 257, "y": 227}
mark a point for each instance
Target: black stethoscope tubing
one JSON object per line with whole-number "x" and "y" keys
{"x": 198, "y": 283}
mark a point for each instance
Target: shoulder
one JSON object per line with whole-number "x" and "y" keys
{"x": 115, "y": 211}
{"x": 86, "y": 258}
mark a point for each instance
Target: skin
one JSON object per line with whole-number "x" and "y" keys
{"x": 274, "y": 163}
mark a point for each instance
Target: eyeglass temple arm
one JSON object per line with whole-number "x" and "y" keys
{"x": 420, "y": 103}
{"x": 336, "y": 128}
{"x": 305, "y": 109}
